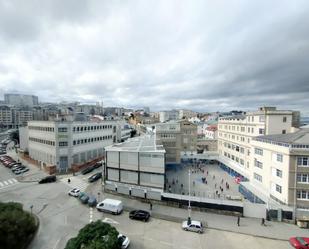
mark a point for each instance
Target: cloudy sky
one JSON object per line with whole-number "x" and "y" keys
{"x": 200, "y": 55}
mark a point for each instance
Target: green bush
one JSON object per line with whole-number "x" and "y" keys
{"x": 96, "y": 235}
{"x": 16, "y": 226}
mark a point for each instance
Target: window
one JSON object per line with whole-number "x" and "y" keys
{"x": 279, "y": 173}
{"x": 63, "y": 144}
{"x": 283, "y": 131}
{"x": 279, "y": 158}
{"x": 258, "y": 164}
{"x": 261, "y": 131}
{"x": 284, "y": 119}
{"x": 302, "y": 161}
{"x": 74, "y": 142}
{"x": 278, "y": 188}
{"x": 242, "y": 150}
{"x": 262, "y": 118}
{"x": 302, "y": 194}
{"x": 302, "y": 178}
{"x": 257, "y": 177}
{"x": 62, "y": 129}
{"x": 258, "y": 151}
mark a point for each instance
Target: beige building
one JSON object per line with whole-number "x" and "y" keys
{"x": 236, "y": 132}
{"x": 176, "y": 137}
{"x": 281, "y": 168}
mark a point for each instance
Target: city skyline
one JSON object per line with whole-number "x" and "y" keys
{"x": 200, "y": 56}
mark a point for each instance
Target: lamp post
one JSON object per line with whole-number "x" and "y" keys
{"x": 99, "y": 196}
{"x": 31, "y": 207}
{"x": 189, "y": 206}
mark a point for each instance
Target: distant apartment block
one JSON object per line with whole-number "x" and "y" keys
{"x": 13, "y": 117}
{"x": 63, "y": 145}
{"x": 176, "y": 137}
{"x": 135, "y": 166}
{"x": 168, "y": 115}
{"x": 21, "y": 99}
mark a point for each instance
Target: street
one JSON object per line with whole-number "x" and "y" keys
{"x": 61, "y": 216}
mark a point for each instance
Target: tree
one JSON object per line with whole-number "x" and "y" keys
{"x": 96, "y": 235}
{"x": 16, "y": 226}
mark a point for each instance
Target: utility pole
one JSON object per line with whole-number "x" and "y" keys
{"x": 189, "y": 206}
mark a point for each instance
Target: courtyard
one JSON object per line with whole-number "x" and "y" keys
{"x": 207, "y": 180}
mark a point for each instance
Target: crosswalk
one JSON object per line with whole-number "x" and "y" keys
{"x": 75, "y": 182}
{"x": 8, "y": 183}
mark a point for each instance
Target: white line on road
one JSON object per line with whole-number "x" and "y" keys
{"x": 14, "y": 180}
{"x": 11, "y": 182}
{"x": 5, "y": 182}
{"x": 1, "y": 184}
{"x": 56, "y": 244}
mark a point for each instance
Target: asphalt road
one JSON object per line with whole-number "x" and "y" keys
{"x": 62, "y": 216}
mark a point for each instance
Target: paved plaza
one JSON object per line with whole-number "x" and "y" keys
{"x": 207, "y": 180}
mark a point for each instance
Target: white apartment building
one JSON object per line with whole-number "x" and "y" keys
{"x": 66, "y": 143}
{"x": 236, "y": 132}
{"x": 169, "y": 115}
{"x": 280, "y": 169}
{"x": 186, "y": 114}
{"x": 137, "y": 164}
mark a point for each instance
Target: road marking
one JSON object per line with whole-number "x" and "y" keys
{"x": 5, "y": 182}
{"x": 11, "y": 182}
{"x": 14, "y": 180}
{"x": 109, "y": 220}
{"x": 1, "y": 184}
{"x": 56, "y": 244}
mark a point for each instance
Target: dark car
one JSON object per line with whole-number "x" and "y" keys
{"x": 139, "y": 215}
{"x": 48, "y": 179}
{"x": 84, "y": 199}
{"x": 95, "y": 177}
{"x": 92, "y": 201}
{"x": 97, "y": 165}
{"x": 87, "y": 170}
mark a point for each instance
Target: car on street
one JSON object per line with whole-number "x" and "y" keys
{"x": 124, "y": 240}
{"x": 87, "y": 170}
{"x": 92, "y": 201}
{"x": 84, "y": 199}
{"x": 111, "y": 206}
{"x": 21, "y": 171}
{"x": 193, "y": 226}
{"x": 97, "y": 165}
{"x": 48, "y": 179}
{"x": 139, "y": 215}
{"x": 95, "y": 177}
{"x": 74, "y": 192}
{"x": 299, "y": 242}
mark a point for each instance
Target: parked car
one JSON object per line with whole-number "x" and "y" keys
{"x": 48, "y": 179}
{"x": 95, "y": 177}
{"x": 87, "y": 170}
{"x": 92, "y": 201}
{"x": 299, "y": 242}
{"x": 193, "y": 226}
{"x": 124, "y": 240}
{"x": 84, "y": 199}
{"x": 21, "y": 171}
{"x": 74, "y": 192}
{"x": 18, "y": 168}
{"x": 139, "y": 215}
{"x": 81, "y": 194}
{"x": 97, "y": 165}
{"x": 111, "y": 206}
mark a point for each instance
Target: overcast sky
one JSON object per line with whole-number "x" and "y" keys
{"x": 200, "y": 55}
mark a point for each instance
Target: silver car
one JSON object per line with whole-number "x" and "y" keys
{"x": 193, "y": 226}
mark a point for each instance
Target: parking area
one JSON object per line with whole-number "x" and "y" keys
{"x": 206, "y": 180}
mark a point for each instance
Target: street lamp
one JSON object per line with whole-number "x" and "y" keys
{"x": 189, "y": 206}
{"x": 31, "y": 209}
{"x": 99, "y": 196}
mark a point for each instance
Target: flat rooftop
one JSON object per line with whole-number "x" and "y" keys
{"x": 146, "y": 143}
{"x": 298, "y": 137}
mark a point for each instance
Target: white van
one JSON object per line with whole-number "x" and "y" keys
{"x": 111, "y": 206}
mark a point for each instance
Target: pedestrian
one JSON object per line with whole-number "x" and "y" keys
{"x": 193, "y": 183}
{"x": 206, "y": 181}
{"x": 213, "y": 177}
{"x": 263, "y": 222}
{"x": 69, "y": 181}
{"x": 215, "y": 185}
{"x": 150, "y": 204}
{"x": 222, "y": 181}
{"x": 238, "y": 220}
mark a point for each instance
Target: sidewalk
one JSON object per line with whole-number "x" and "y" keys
{"x": 248, "y": 226}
